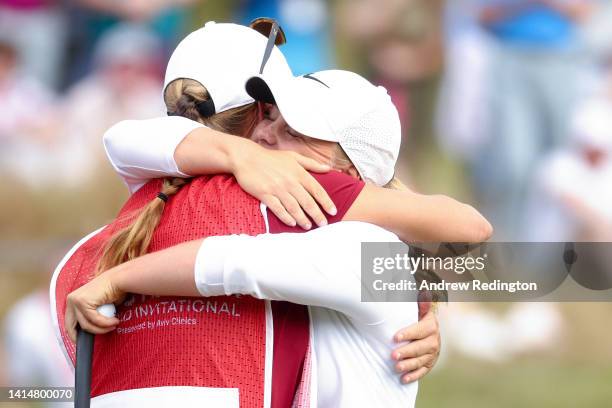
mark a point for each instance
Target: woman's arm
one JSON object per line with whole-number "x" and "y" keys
{"x": 140, "y": 150}
{"x": 168, "y": 272}
{"x": 419, "y": 218}
{"x": 319, "y": 268}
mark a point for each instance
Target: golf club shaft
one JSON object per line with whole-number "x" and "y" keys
{"x": 82, "y": 372}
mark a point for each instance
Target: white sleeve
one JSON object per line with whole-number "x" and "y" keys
{"x": 141, "y": 150}
{"x": 319, "y": 268}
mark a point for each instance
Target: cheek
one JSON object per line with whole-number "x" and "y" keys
{"x": 291, "y": 143}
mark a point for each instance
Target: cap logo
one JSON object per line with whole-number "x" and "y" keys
{"x": 309, "y": 76}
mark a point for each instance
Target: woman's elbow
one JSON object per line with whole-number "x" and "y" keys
{"x": 110, "y": 139}
{"x": 114, "y": 142}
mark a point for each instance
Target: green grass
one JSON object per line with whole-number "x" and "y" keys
{"x": 529, "y": 383}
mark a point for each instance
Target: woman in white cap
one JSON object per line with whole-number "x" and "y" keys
{"x": 226, "y": 107}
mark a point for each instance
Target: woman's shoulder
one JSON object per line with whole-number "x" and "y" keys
{"x": 342, "y": 188}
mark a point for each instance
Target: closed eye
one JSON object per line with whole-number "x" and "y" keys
{"x": 266, "y": 114}
{"x": 292, "y": 132}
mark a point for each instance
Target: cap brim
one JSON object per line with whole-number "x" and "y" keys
{"x": 259, "y": 90}
{"x": 300, "y": 102}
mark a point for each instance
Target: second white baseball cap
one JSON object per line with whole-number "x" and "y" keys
{"x": 338, "y": 106}
{"x": 222, "y": 56}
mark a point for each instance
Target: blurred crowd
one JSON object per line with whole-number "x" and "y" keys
{"x": 525, "y": 102}
{"x": 506, "y": 104}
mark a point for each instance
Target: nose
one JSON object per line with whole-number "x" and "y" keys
{"x": 266, "y": 134}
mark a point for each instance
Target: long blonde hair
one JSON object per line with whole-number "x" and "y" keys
{"x": 181, "y": 97}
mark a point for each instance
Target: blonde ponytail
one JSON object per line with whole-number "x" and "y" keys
{"x": 134, "y": 240}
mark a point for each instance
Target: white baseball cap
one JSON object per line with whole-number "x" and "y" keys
{"x": 222, "y": 56}
{"x": 338, "y": 106}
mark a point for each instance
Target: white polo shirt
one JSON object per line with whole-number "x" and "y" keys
{"x": 352, "y": 339}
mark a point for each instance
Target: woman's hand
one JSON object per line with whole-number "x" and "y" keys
{"x": 418, "y": 357}
{"x": 281, "y": 181}
{"x": 82, "y": 304}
